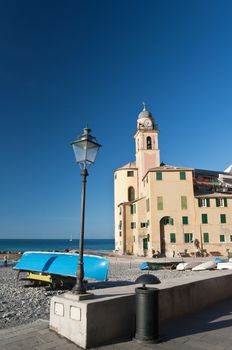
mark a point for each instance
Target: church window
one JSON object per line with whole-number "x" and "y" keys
{"x": 184, "y": 202}
{"x": 131, "y": 194}
{"x": 149, "y": 144}
{"x": 133, "y": 209}
{"x": 130, "y": 173}
{"x": 160, "y": 205}
{"x": 147, "y": 204}
{"x": 133, "y": 225}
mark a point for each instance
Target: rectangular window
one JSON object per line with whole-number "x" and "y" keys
{"x": 133, "y": 208}
{"x": 130, "y": 173}
{"x": 120, "y": 234}
{"x": 222, "y": 238}
{"x": 206, "y": 237}
{"x": 188, "y": 237}
{"x": 160, "y": 205}
{"x": 143, "y": 224}
{"x": 223, "y": 218}
{"x": 158, "y": 175}
{"x": 231, "y": 238}
{"x": 203, "y": 202}
{"x": 185, "y": 220}
{"x": 204, "y": 218}
{"x": 148, "y": 223}
{"x": 184, "y": 202}
{"x": 120, "y": 210}
{"x": 147, "y": 204}
{"x": 172, "y": 238}
{"x": 221, "y": 202}
{"x": 133, "y": 225}
{"x": 182, "y": 175}
{"x": 120, "y": 225}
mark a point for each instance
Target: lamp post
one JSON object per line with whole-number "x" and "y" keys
{"x": 85, "y": 149}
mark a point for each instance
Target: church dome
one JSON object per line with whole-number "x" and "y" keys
{"x": 145, "y": 113}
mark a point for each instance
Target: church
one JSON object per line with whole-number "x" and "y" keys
{"x": 167, "y": 210}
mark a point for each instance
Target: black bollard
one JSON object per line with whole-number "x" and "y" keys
{"x": 147, "y": 314}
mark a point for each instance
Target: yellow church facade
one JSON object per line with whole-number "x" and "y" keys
{"x": 167, "y": 210}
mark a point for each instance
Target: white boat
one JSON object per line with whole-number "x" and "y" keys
{"x": 224, "y": 266}
{"x": 187, "y": 266}
{"x": 209, "y": 265}
{"x": 181, "y": 266}
{"x": 192, "y": 264}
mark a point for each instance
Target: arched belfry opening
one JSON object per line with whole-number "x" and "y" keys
{"x": 131, "y": 194}
{"x": 149, "y": 142}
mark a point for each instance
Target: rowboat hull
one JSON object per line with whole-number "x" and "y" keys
{"x": 63, "y": 264}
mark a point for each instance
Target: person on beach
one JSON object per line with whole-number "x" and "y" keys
{"x": 5, "y": 260}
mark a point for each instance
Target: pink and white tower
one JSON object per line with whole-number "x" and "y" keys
{"x": 146, "y": 143}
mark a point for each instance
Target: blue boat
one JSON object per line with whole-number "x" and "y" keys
{"x": 63, "y": 264}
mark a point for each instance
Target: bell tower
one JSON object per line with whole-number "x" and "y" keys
{"x": 146, "y": 143}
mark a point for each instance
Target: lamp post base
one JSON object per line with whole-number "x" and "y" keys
{"x": 79, "y": 297}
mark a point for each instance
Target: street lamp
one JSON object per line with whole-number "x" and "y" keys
{"x": 85, "y": 149}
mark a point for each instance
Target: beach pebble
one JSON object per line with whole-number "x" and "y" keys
{"x": 20, "y": 304}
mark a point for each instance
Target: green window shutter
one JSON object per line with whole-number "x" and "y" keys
{"x": 172, "y": 238}
{"x": 184, "y": 202}
{"x": 190, "y": 237}
{"x": 185, "y": 220}
{"x": 225, "y": 202}
{"x": 217, "y": 202}
{"x": 160, "y": 203}
{"x": 182, "y": 175}
{"x": 207, "y": 202}
{"x": 222, "y": 238}
{"x": 134, "y": 208}
{"x": 186, "y": 238}
{"x": 204, "y": 218}
{"x": 223, "y": 218}
{"x": 158, "y": 175}
{"x": 147, "y": 204}
{"x": 206, "y": 237}
{"x": 145, "y": 243}
{"x": 199, "y": 202}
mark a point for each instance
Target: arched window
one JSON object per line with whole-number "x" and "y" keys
{"x": 149, "y": 142}
{"x": 131, "y": 194}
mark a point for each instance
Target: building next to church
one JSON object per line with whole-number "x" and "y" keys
{"x": 167, "y": 209}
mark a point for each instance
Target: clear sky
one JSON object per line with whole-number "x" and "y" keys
{"x": 67, "y": 64}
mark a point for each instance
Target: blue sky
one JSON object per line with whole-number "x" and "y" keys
{"x": 68, "y": 64}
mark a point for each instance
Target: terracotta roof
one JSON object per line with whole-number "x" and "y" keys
{"x": 214, "y": 195}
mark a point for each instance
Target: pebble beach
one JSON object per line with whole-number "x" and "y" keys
{"x": 20, "y": 304}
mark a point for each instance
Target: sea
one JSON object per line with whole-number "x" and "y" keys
{"x": 22, "y": 245}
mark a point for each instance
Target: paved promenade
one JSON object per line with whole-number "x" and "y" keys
{"x": 211, "y": 329}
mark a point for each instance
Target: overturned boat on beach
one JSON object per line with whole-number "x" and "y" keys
{"x": 61, "y": 268}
